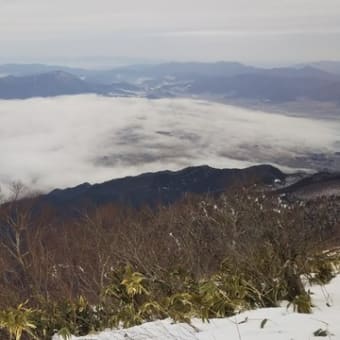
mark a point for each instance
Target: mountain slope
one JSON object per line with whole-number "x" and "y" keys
{"x": 277, "y": 85}
{"x": 162, "y": 187}
{"x": 215, "y": 80}
{"x": 58, "y": 83}
{"x": 166, "y": 187}
{"x": 42, "y": 85}
{"x": 328, "y": 66}
{"x": 316, "y": 185}
{"x": 22, "y": 70}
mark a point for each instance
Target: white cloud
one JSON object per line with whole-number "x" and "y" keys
{"x": 64, "y": 141}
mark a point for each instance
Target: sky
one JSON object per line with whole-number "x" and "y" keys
{"x": 47, "y": 143}
{"x": 250, "y": 31}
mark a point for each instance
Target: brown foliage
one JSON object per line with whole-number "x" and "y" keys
{"x": 42, "y": 257}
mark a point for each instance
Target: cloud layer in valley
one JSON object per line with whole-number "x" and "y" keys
{"x": 64, "y": 141}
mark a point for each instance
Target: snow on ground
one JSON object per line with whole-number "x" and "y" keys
{"x": 281, "y": 324}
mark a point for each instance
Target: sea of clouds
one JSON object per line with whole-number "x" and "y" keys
{"x": 64, "y": 141}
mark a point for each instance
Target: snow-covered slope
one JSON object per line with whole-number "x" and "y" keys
{"x": 280, "y": 323}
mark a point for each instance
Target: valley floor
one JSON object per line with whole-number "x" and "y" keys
{"x": 262, "y": 324}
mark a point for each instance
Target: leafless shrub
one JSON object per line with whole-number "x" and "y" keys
{"x": 245, "y": 237}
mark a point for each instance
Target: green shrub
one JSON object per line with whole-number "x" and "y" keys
{"x": 302, "y": 303}
{"x": 18, "y": 321}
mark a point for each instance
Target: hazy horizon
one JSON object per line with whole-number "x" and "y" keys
{"x": 108, "y": 63}
{"x": 260, "y": 32}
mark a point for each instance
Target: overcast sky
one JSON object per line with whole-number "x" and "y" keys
{"x": 252, "y": 31}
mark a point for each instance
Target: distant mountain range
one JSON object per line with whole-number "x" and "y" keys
{"x": 22, "y": 70}
{"x": 166, "y": 187}
{"x": 56, "y": 83}
{"x": 327, "y": 66}
{"x": 43, "y": 85}
{"x": 214, "y": 80}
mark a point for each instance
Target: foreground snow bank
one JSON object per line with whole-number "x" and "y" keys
{"x": 262, "y": 324}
